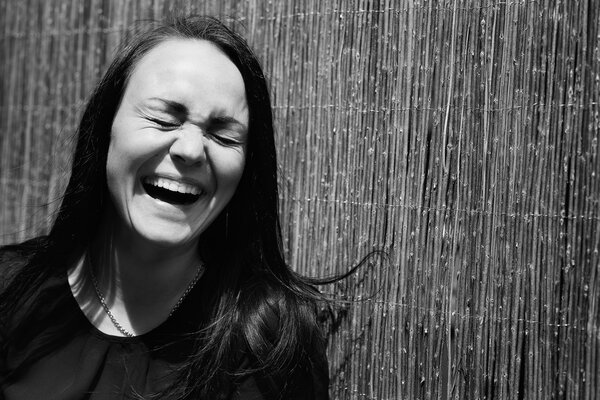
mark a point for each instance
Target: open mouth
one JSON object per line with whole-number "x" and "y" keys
{"x": 171, "y": 191}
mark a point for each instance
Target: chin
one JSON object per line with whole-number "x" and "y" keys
{"x": 167, "y": 238}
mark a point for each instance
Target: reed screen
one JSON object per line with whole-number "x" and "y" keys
{"x": 461, "y": 137}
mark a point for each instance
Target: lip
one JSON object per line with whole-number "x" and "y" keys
{"x": 176, "y": 179}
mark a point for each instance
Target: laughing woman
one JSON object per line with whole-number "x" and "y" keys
{"x": 163, "y": 275}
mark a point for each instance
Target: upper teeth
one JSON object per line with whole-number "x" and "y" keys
{"x": 172, "y": 185}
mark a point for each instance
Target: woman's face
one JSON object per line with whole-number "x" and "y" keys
{"x": 178, "y": 142}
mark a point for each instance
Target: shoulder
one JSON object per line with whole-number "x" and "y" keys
{"x": 14, "y": 257}
{"x": 282, "y": 333}
{"x": 274, "y": 307}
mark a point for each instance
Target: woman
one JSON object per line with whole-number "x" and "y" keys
{"x": 163, "y": 275}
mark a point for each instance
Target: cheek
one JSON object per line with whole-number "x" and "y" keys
{"x": 124, "y": 159}
{"x": 130, "y": 148}
{"x": 116, "y": 178}
{"x": 118, "y": 161}
{"x": 228, "y": 166}
{"x": 114, "y": 167}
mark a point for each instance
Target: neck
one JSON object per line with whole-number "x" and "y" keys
{"x": 141, "y": 283}
{"x": 145, "y": 268}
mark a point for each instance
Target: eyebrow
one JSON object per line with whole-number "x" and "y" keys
{"x": 173, "y": 106}
{"x": 227, "y": 120}
{"x": 181, "y": 110}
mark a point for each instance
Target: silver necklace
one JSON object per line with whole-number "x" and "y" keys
{"x": 116, "y": 323}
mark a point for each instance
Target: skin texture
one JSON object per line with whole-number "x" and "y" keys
{"x": 184, "y": 117}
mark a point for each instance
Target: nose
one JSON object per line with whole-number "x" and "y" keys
{"x": 189, "y": 146}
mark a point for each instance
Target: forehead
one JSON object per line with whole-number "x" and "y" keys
{"x": 186, "y": 70}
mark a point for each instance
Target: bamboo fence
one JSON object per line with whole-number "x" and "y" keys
{"x": 459, "y": 136}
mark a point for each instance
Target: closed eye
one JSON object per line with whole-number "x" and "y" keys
{"x": 164, "y": 124}
{"x": 227, "y": 131}
{"x": 224, "y": 139}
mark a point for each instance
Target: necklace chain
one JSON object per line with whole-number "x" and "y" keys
{"x": 112, "y": 317}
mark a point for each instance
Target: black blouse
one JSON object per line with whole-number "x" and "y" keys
{"x": 89, "y": 364}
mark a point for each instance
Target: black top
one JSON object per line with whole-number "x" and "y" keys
{"x": 89, "y": 364}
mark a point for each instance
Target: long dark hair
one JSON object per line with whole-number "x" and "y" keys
{"x": 258, "y": 303}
